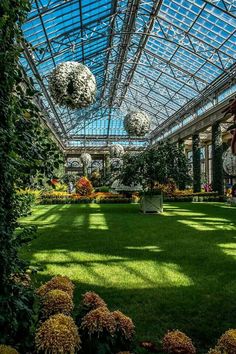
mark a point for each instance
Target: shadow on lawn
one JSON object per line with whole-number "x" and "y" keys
{"x": 199, "y": 239}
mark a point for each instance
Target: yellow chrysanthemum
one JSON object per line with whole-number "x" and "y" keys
{"x": 92, "y": 301}
{"x": 99, "y": 321}
{"x": 58, "y": 334}
{"x": 58, "y": 282}
{"x": 124, "y": 325}
{"x": 227, "y": 342}
{"x": 6, "y": 349}
{"x": 56, "y": 301}
{"x": 178, "y": 342}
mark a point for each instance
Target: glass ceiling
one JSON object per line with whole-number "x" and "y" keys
{"x": 151, "y": 55}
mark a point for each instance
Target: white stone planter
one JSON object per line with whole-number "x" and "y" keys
{"x": 152, "y": 204}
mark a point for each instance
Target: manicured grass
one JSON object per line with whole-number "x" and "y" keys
{"x": 174, "y": 271}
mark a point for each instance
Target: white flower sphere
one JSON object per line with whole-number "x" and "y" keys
{"x": 72, "y": 84}
{"x": 117, "y": 150}
{"x": 86, "y": 159}
{"x": 137, "y": 123}
{"x": 229, "y": 162}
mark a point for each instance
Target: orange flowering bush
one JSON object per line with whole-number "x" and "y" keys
{"x": 91, "y": 301}
{"x": 84, "y": 186}
{"x": 58, "y": 334}
{"x": 58, "y": 282}
{"x": 56, "y": 301}
{"x": 124, "y": 326}
{"x": 227, "y": 342}
{"x": 99, "y": 321}
{"x": 214, "y": 351}
{"x": 177, "y": 342}
{"x": 6, "y": 349}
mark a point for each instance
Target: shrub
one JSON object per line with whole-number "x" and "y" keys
{"x": 6, "y": 349}
{"x": 58, "y": 282}
{"x": 84, "y": 186}
{"x": 227, "y": 342}
{"x": 58, "y": 334}
{"x": 56, "y": 301}
{"x": 177, "y": 342}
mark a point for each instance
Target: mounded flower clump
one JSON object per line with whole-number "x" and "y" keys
{"x": 72, "y": 85}
{"x": 58, "y": 334}
{"x": 58, "y": 282}
{"x": 137, "y": 123}
{"x": 56, "y": 301}
{"x": 227, "y": 342}
{"x": 91, "y": 301}
{"x": 6, "y": 349}
{"x": 177, "y": 342}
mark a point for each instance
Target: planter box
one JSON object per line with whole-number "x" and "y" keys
{"x": 152, "y": 204}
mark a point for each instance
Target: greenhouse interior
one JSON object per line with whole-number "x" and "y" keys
{"x": 117, "y": 176}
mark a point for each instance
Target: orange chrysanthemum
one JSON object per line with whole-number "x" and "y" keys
{"x": 58, "y": 334}
{"x": 58, "y": 282}
{"x": 6, "y": 349}
{"x": 92, "y": 301}
{"x": 56, "y": 301}
{"x": 227, "y": 342}
{"x": 177, "y": 342}
{"x": 99, "y": 321}
{"x": 124, "y": 325}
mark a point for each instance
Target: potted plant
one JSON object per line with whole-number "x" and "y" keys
{"x": 151, "y": 169}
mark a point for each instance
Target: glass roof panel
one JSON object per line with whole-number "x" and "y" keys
{"x": 154, "y": 63}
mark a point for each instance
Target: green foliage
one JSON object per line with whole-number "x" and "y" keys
{"x": 196, "y": 164}
{"x": 156, "y": 165}
{"x": 217, "y": 162}
{"x": 26, "y": 150}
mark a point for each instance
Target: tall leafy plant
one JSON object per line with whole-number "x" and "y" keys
{"x": 153, "y": 165}
{"x": 24, "y": 150}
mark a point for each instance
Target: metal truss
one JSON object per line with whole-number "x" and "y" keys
{"x": 163, "y": 57}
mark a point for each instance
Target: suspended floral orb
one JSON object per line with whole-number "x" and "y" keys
{"x": 86, "y": 159}
{"x": 117, "y": 150}
{"x": 137, "y": 123}
{"x": 72, "y": 84}
{"x": 229, "y": 162}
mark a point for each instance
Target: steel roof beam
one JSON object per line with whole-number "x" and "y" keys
{"x": 43, "y": 88}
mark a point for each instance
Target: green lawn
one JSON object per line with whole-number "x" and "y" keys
{"x": 174, "y": 271}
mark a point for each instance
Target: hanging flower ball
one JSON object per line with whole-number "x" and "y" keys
{"x": 117, "y": 150}
{"x": 229, "y": 162}
{"x": 72, "y": 84}
{"x": 86, "y": 159}
{"x": 137, "y": 123}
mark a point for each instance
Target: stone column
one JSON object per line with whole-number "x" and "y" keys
{"x": 196, "y": 163}
{"x": 217, "y": 163}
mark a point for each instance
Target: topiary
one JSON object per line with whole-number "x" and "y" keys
{"x": 177, "y": 342}
{"x": 58, "y": 282}
{"x": 58, "y": 334}
{"x": 56, "y": 301}
{"x": 227, "y": 342}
